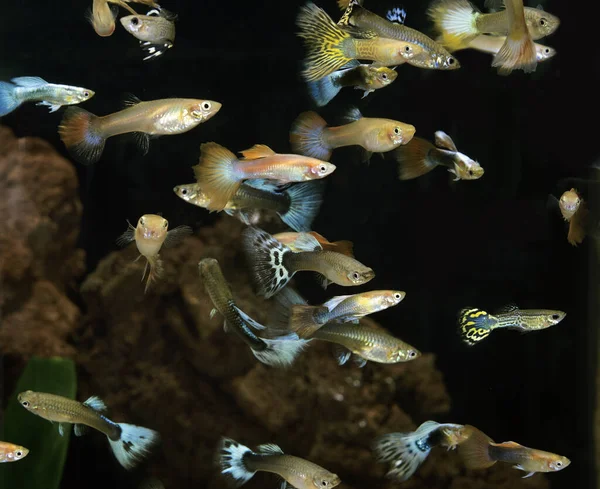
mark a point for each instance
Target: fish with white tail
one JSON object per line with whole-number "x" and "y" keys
{"x": 35, "y": 89}
{"x": 406, "y": 452}
{"x": 129, "y": 443}
{"x": 239, "y": 464}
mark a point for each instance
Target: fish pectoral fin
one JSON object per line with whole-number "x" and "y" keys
{"x": 53, "y": 107}
{"x": 213, "y": 311}
{"x": 360, "y": 362}
{"x": 367, "y": 92}
{"x": 61, "y": 429}
{"x": 341, "y": 354}
{"x": 80, "y": 429}
{"x": 284, "y": 485}
{"x": 226, "y": 327}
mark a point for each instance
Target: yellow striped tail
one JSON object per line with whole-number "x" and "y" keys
{"x": 474, "y": 325}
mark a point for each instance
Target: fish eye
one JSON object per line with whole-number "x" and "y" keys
{"x": 396, "y": 130}
{"x": 166, "y": 224}
{"x": 142, "y": 221}
{"x": 206, "y": 106}
{"x": 547, "y": 50}
{"x": 555, "y": 316}
{"x": 471, "y": 172}
{"x": 25, "y": 403}
{"x": 355, "y": 275}
{"x": 451, "y": 61}
{"x": 86, "y": 94}
{"x": 184, "y": 191}
{"x": 19, "y": 453}
{"x": 543, "y": 22}
{"x": 384, "y": 76}
{"x": 322, "y": 168}
{"x": 407, "y": 49}
{"x": 397, "y": 297}
{"x": 412, "y": 354}
{"x": 135, "y": 21}
{"x": 324, "y": 483}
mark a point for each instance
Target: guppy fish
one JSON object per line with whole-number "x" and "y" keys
{"x": 128, "y": 442}
{"x": 493, "y": 44}
{"x": 273, "y": 264}
{"x": 279, "y": 352}
{"x": 297, "y": 242}
{"x": 366, "y": 340}
{"x": 459, "y": 21}
{"x": 479, "y": 451}
{"x": 419, "y": 157}
{"x": 240, "y": 463}
{"x": 102, "y": 16}
{"x": 330, "y": 48}
{"x": 11, "y": 453}
{"x": 85, "y": 134}
{"x": 406, "y": 452}
{"x": 150, "y": 234}
{"x": 306, "y": 320}
{"x": 311, "y": 136}
{"x": 360, "y": 76}
{"x": 297, "y": 205}
{"x": 35, "y": 89}
{"x": 433, "y": 55}
{"x": 574, "y": 211}
{"x": 476, "y": 325}
{"x": 220, "y": 173}
{"x": 155, "y": 31}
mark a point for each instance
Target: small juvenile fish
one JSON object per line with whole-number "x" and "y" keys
{"x": 273, "y": 264}
{"x": 128, "y": 442}
{"x": 366, "y": 340}
{"x": 459, "y": 21}
{"x": 311, "y": 136}
{"x": 493, "y": 44}
{"x": 476, "y": 325}
{"x": 155, "y": 31}
{"x": 240, "y": 463}
{"x": 11, "y": 453}
{"x": 360, "y": 76}
{"x": 35, "y": 89}
{"x": 102, "y": 17}
{"x": 419, "y": 157}
{"x": 85, "y": 134}
{"x": 479, "y": 451}
{"x": 220, "y": 173}
{"x": 295, "y": 243}
{"x": 150, "y": 234}
{"x": 406, "y": 452}
{"x": 306, "y": 320}
{"x": 433, "y": 56}
{"x": 330, "y": 48}
{"x": 278, "y": 352}
{"x": 297, "y": 205}
{"x": 574, "y": 210}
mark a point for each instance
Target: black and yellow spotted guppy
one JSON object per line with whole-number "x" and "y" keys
{"x": 476, "y": 324}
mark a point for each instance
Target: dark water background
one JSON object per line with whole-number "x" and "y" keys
{"x": 483, "y": 243}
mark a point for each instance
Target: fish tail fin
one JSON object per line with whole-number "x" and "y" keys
{"x": 302, "y": 320}
{"x": 9, "y": 100}
{"x": 475, "y": 450}
{"x": 516, "y": 54}
{"x": 306, "y": 136}
{"x": 324, "y": 89}
{"x": 475, "y": 325}
{"x": 324, "y": 40}
{"x": 79, "y": 135}
{"x": 405, "y": 452}
{"x": 216, "y": 173}
{"x": 133, "y": 444}
{"x": 281, "y": 351}
{"x": 305, "y": 202}
{"x": 413, "y": 159}
{"x": 155, "y": 265}
{"x": 455, "y": 20}
{"x": 265, "y": 256}
{"x": 230, "y": 457}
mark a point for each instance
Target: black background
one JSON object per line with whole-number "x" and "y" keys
{"x": 483, "y": 243}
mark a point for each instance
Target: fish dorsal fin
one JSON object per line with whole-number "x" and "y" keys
{"x": 540, "y": 7}
{"x": 396, "y": 15}
{"x": 95, "y": 403}
{"x": 508, "y": 444}
{"x": 256, "y": 152}
{"x": 269, "y": 449}
{"x": 442, "y": 140}
{"x": 353, "y": 114}
{"x": 29, "y": 81}
{"x": 262, "y": 184}
{"x": 332, "y": 303}
{"x": 341, "y": 354}
{"x": 507, "y": 309}
{"x": 307, "y": 242}
{"x": 130, "y": 100}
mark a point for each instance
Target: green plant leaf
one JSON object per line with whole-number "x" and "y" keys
{"x": 43, "y": 466}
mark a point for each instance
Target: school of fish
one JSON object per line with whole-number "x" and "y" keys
{"x": 362, "y": 50}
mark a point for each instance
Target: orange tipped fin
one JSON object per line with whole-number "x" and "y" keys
{"x": 302, "y": 320}
{"x": 516, "y": 54}
{"x": 344, "y": 247}
{"x": 306, "y": 136}
{"x": 216, "y": 173}
{"x": 79, "y": 135}
{"x": 577, "y": 225}
{"x": 257, "y": 151}
{"x": 475, "y": 449}
{"x": 508, "y": 444}
{"x": 413, "y": 159}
